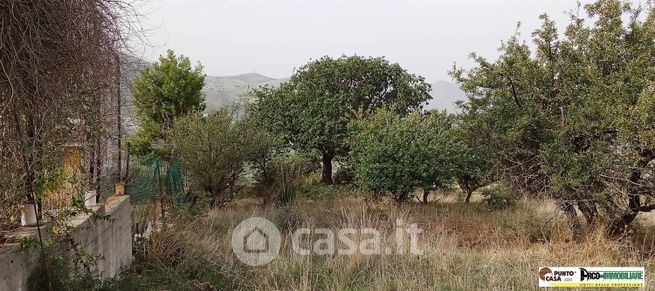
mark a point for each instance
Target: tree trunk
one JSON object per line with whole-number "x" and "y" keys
{"x": 326, "y": 177}
{"x": 574, "y": 221}
{"x": 119, "y": 133}
{"x": 617, "y": 227}
{"x": 98, "y": 165}
{"x": 127, "y": 165}
{"x": 465, "y": 186}
{"x": 589, "y": 210}
{"x": 426, "y": 195}
{"x": 399, "y": 198}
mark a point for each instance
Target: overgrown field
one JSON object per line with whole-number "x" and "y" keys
{"x": 465, "y": 247}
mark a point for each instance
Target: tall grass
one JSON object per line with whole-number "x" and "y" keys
{"x": 465, "y": 247}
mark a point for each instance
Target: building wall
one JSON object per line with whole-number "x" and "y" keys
{"x": 111, "y": 239}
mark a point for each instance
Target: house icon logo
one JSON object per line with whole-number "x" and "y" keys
{"x": 256, "y": 241}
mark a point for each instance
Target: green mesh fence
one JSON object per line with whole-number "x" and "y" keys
{"x": 148, "y": 179}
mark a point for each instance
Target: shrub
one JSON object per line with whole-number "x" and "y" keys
{"x": 500, "y": 197}
{"x": 214, "y": 150}
{"x": 279, "y": 178}
{"x": 344, "y": 175}
{"x": 288, "y": 218}
{"x": 398, "y": 154}
{"x": 172, "y": 260}
{"x": 320, "y": 191}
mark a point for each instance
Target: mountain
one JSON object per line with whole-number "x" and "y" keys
{"x": 130, "y": 67}
{"x": 444, "y": 96}
{"x": 232, "y": 91}
{"x": 235, "y": 91}
{"x": 251, "y": 78}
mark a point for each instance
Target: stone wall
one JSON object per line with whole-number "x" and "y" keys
{"x": 111, "y": 239}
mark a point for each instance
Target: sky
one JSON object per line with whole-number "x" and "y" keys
{"x": 273, "y": 38}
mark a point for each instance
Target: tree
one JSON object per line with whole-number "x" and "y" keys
{"x": 55, "y": 57}
{"x": 473, "y": 165}
{"x": 213, "y": 150}
{"x": 279, "y": 177}
{"x": 397, "y": 155}
{"x": 168, "y": 89}
{"x": 313, "y": 108}
{"x": 570, "y": 120}
{"x": 472, "y": 171}
{"x": 57, "y": 69}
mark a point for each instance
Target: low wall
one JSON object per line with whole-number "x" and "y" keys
{"x": 111, "y": 239}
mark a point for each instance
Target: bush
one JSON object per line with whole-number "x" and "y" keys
{"x": 397, "y": 154}
{"x": 500, "y": 197}
{"x": 279, "y": 178}
{"x": 288, "y": 218}
{"x": 172, "y": 260}
{"x": 344, "y": 175}
{"x": 214, "y": 150}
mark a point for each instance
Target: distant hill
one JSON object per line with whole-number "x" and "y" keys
{"x": 232, "y": 91}
{"x": 251, "y": 78}
{"x": 235, "y": 91}
{"x": 130, "y": 67}
{"x": 444, "y": 96}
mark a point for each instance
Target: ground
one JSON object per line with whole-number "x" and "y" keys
{"x": 465, "y": 247}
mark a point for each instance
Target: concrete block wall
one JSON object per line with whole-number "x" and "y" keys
{"x": 16, "y": 265}
{"x": 110, "y": 239}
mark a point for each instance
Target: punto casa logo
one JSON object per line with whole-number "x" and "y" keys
{"x": 546, "y": 274}
{"x": 543, "y": 272}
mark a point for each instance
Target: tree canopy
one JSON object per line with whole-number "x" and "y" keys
{"x": 214, "y": 150}
{"x": 59, "y": 71}
{"x": 572, "y": 119}
{"x": 313, "y": 108}
{"x": 168, "y": 89}
{"x": 398, "y": 154}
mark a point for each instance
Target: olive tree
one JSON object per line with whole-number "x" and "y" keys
{"x": 473, "y": 165}
{"x": 214, "y": 150}
{"x": 397, "y": 155}
{"x": 571, "y": 120}
{"x": 313, "y": 108}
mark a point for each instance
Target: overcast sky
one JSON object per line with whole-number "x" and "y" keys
{"x": 274, "y": 37}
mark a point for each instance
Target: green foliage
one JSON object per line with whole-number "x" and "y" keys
{"x": 168, "y": 89}
{"x": 398, "y": 154}
{"x": 572, "y": 118}
{"x": 344, "y": 175}
{"x": 321, "y": 191}
{"x": 278, "y": 179}
{"x": 69, "y": 267}
{"x": 213, "y": 151}
{"x": 500, "y": 197}
{"x": 33, "y": 242}
{"x": 66, "y": 274}
{"x": 169, "y": 260}
{"x": 473, "y": 164}
{"x": 312, "y": 110}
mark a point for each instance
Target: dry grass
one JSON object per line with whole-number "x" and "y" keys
{"x": 465, "y": 247}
